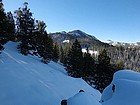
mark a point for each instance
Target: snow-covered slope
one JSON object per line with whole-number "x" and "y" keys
{"x": 24, "y": 80}
{"x": 126, "y": 89}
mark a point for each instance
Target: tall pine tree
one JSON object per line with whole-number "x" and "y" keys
{"x": 25, "y": 27}
{"x": 43, "y": 42}
{"x": 104, "y": 71}
{"x": 88, "y": 66}
{"x": 11, "y": 26}
{"x": 55, "y": 52}
{"x": 3, "y": 27}
{"x": 61, "y": 55}
{"x": 74, "y": 62}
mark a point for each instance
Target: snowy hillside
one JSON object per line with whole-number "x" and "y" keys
{"x": 24, "y": 80}
{"x": 124, "y": 89}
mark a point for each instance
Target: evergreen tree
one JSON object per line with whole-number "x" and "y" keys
{"x": 104, "y": 72}
{"x": 43, "y": 42}
{"x": 25, "y": 27}
{"x": 61, "y": 55}
{"x": 38, "y": 37}
{"x": 11, "y": 26}
{"x": 74, "y": 62}
{"x": 43, "y": 48}
{"x": 88, "y": 66}
{"x": 3, "y": 20}
{"x": 3, "y": 27}
{"x": 66, "y": 50}
{"x": 55, "y": 52}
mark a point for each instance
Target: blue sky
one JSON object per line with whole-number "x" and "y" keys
{"x": 117, "y": 20}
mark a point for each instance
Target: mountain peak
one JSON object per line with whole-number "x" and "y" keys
{"x": 85, "y": 39}
{"x": 79, "y": 33}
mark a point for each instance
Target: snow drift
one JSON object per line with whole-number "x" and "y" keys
{"x": 83, "y": 98}
{"x": 126, "y": 89}
{"x": 24, "y": 80}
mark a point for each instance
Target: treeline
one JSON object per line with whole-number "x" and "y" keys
{"x": 128, "y": 56}
{"x": 34, "y": 40}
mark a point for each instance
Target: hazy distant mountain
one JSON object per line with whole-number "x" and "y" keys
{"x": 85, "y": 39}
{"x": 110, "y": 42}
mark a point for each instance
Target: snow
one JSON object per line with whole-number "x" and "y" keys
{"x": 66, "y": 41}
{"x": 83, "y": 98}
{"x": 96, "y": 53}
{"x": 110, "y": 42}
{"x": 127, "y": 89}
{"x": 63, "y": 32}
{"x": 24, "y": 80}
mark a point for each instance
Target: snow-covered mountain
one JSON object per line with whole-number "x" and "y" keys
{"x": 85, "y": 40}
{"x": 110, "y": 42}
{"x": 24, "y": 80}
{"x": 79, "y": 33}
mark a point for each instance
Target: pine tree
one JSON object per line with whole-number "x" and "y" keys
{"x": 43, "y": 42}
{"x": 43, "y": 48}
{"x": 11, "y": 26}
{"x": 88, "y": 66}
{"x": 38, "y": 37}
{"x": 104, "y": 71}
{"x": 61, "y": 55}
{"x": 3, "y": 20}
{"x": 3, "y": 27}
{"x": 74, "y": 62}
{"x": 55, "y": 52}
{"x": 25, "y": 27}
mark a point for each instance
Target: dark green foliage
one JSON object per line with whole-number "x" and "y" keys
{"x": 43, "y": 43}
{"x": 83, "y": 65}
{"x": 55, "y": 52}
{"x": 25, "y": 27}
{"x": 39, "y": 38}
{"x": 3, "y": 20}
{"x": 61, "y": 55}
{"x": 3, "y": 27}
{"x": 104, "y": 71}
{"x": 23, "y": 48}
{"x": 75, "y": 60}
{"x": 43, "y": 49}
{"x": 88, "y": 65}
{"x": 10, "y": 26}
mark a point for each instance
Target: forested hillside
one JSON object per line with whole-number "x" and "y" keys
{"x": 123, "y": 54}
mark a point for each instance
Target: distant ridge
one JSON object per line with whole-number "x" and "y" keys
{"x": 85, "y": 39}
